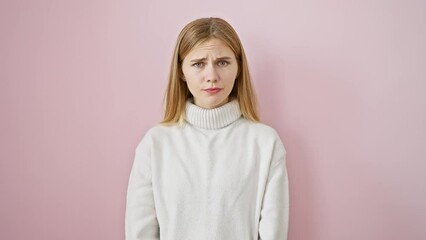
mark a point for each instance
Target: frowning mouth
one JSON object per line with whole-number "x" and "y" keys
{"x": 212, "y": 90}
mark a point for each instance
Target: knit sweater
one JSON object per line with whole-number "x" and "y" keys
{"x": 217, "y": 177}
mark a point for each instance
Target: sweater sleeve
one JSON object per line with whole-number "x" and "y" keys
{"x": 274, "y": 216}
{"x": 141, "y": 220}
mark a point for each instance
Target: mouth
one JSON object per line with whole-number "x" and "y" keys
{"x": 212, "y": 90}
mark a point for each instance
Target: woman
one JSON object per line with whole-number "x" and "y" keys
{"x": 210, "y": 170}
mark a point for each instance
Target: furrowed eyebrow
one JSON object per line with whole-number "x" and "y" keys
{"x": 224, "y": 58}
{"x": 198, "y": 60}
{"x": 203, "y": 59}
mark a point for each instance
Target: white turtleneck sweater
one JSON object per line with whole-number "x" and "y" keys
{"x": 217, "y": 177}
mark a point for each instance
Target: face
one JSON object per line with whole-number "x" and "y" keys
{"x": 209, "y": 71}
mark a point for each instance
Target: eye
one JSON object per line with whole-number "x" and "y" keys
{"x": 223, "y": 63}
{"x": 198, "y": 64}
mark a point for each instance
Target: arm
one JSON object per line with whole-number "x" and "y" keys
{"x": 274, "y": 216}
{"x": 141, "y": 221}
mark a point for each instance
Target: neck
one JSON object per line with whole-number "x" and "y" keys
{"x": 213, "y": 118}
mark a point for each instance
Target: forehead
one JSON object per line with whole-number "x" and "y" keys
{"x": 212, "y": 46}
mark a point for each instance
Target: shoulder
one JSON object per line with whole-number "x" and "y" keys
{"x": 156, "y": 133}
{"x": 160, "y": 130}
{"x": 260, "y": 129}
{"x": 262, "y": 132}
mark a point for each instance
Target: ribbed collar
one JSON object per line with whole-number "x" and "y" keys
{"x": 212, "y": 118}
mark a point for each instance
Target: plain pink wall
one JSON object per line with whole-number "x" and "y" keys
{"x": 343, "y": 82}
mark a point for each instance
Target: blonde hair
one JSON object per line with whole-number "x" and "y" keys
{"x": 193, "y": 34}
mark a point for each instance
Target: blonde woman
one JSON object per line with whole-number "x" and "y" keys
{"x": 210, "y": 170}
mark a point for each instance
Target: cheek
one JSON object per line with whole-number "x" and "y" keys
{"x": 191, "y": 81}
{"x": 188, "y": 73}
{"x": 193, "y": 78}
{"x": 232, "y": 74}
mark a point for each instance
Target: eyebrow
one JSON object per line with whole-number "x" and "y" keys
{"x": 203, "y": 59}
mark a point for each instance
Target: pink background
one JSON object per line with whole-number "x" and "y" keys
{"x": 343, "y": 82}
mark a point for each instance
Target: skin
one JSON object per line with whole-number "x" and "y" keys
{"x": 211, "y": 64}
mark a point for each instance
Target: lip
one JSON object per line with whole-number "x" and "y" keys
{"x": 212, "y": 90}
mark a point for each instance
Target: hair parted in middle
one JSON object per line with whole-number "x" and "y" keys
{"x": 193, "y": 34}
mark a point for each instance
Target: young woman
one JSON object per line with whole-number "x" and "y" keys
{"x": 210, "y": 170}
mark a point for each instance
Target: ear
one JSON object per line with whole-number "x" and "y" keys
{"x": 181, "y": 75}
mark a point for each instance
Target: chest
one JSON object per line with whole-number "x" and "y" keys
{"x": 207, "y": 167}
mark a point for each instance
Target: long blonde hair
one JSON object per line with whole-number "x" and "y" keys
{"x": 197, "y": 32}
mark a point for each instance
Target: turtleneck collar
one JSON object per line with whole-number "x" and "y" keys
{"x": 214, "y": 118}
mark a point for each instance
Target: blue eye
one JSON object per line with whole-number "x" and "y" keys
{"x": 223, "y": 63}
{"x": 198, "y": 64}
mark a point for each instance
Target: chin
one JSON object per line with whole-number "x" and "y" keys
{"x": 218, "y": 103}
{"x": 212, "y": 102}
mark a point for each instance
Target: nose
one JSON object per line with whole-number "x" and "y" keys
{"x": 211, "y": 74}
